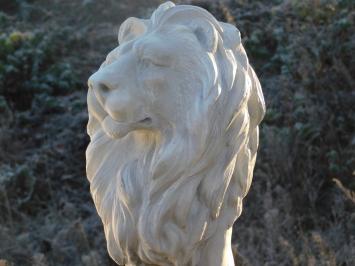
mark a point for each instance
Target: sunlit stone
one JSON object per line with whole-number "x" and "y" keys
{"x": 173, "y": 122}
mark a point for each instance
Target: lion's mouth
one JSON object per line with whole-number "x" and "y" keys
{"x": 116, "y": 130}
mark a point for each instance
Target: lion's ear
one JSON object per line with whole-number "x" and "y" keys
{"x": 207, "y": 35}
{"x": 130, "y": 29}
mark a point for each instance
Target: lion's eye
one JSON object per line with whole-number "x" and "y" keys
{"x": 147, "y": 61}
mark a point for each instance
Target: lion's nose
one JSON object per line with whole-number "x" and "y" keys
{"x": 101, "y": 86}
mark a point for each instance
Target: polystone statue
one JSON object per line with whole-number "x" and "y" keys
{"x": 173, "y": 122}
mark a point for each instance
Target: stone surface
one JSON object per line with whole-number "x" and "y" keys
{"x": 173, "y": 122}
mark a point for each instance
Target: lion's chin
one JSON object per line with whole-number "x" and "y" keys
{"x": 117, "y": 130}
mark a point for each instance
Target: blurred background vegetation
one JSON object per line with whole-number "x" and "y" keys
{"x": 301, "y": 206}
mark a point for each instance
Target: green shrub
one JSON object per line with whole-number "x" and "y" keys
{"x": 30, "y": 63}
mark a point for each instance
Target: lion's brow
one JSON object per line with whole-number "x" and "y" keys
{"x": 137, "y": 48}
{"x": 147, "y": 50}
{"x": 125, "y": 47}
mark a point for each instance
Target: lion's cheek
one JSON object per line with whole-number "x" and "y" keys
{"x": 163, "y": 99}
{"x": 154, "y": 88}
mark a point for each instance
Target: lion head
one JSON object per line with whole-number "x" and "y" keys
{"x": 173, "y": 122}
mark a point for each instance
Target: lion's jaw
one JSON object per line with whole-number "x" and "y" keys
{"x": 116, "y": 130}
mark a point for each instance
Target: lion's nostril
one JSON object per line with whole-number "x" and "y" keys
{"x": 103, "y": 88}
{"x": 146, "y": 120}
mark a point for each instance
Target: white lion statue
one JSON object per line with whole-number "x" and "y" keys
{"x": 173, "y": 123}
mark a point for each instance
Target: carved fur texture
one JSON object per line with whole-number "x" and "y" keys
{"x": 173, "y": 122}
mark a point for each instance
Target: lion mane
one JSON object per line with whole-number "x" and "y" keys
{"x": 162, "y": 195}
